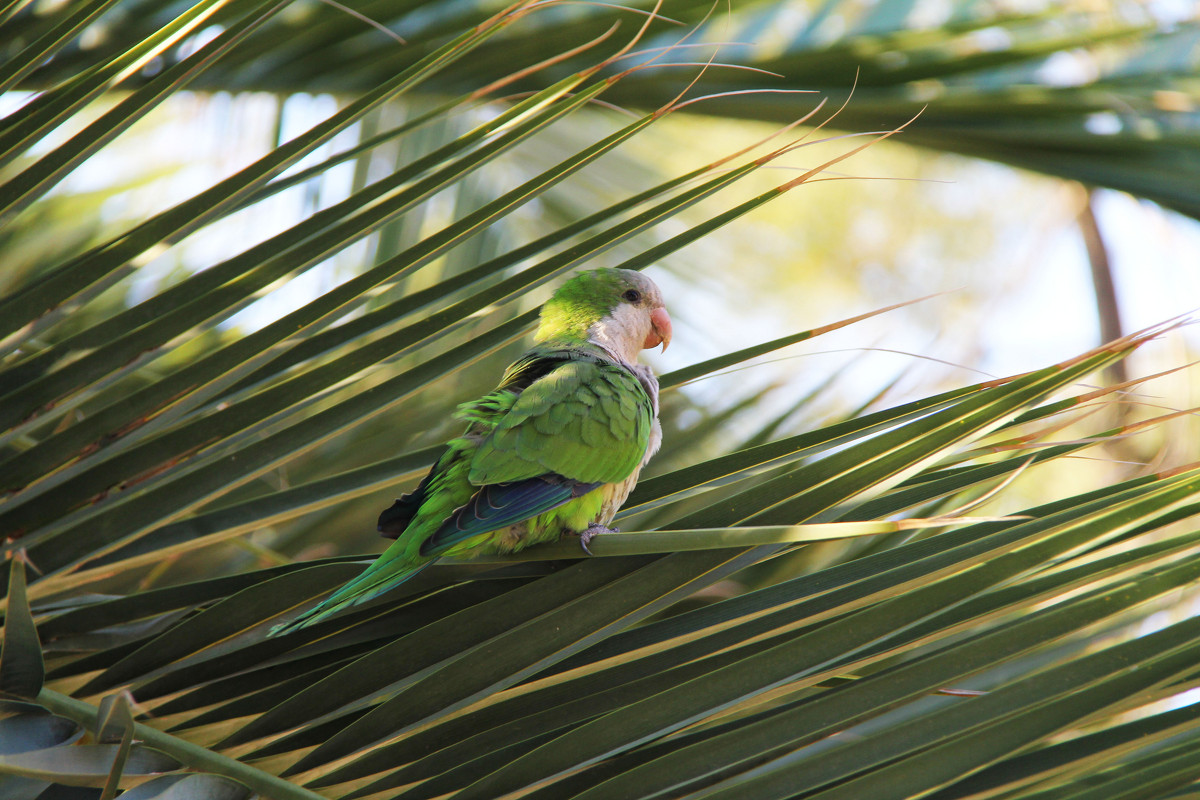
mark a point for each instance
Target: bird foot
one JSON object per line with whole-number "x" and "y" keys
{"x": 592, "y": 532}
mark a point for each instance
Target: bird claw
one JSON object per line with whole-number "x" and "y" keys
{"x": 592, "y": 532}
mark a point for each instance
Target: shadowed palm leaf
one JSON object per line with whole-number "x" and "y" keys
{"x": 916, "y": 652}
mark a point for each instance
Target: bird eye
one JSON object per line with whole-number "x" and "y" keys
{"x": 633, "y": 295}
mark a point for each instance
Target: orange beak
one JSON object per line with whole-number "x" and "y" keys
{"x": 660, "y": 329}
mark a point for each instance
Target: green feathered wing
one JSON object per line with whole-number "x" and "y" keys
{"x": 562, "y": 424}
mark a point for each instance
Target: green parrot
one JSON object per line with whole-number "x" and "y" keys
{"x": 554, "y": 449}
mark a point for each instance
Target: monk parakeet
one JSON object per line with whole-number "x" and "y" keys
{"x": 555, "y": 449}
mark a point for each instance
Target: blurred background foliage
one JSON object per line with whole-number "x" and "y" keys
{"x": 1028, "y": 116}
{"x": 1099, "y": 92}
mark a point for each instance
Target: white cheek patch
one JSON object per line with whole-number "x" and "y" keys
{"x": 623, "y": 332}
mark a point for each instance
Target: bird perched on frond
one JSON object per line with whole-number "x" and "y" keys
{"x": 555, "y": 449}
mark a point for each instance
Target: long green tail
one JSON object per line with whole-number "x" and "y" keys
{"x": 382, "y": 576}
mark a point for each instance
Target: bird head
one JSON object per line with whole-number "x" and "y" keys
{"x": 619, "y": 310}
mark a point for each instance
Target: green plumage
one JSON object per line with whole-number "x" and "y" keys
{"x": 562, "y": 424}
{"x": 553, "y": 449}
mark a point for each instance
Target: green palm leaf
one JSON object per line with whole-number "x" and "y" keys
{"x": 712, "y": 649}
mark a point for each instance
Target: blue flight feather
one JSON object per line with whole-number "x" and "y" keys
{"x": 499, "y": 505}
